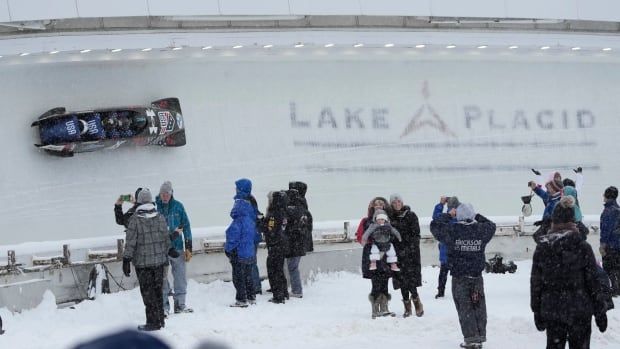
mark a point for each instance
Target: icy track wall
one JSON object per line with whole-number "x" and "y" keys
{"x": 351, "y": 127}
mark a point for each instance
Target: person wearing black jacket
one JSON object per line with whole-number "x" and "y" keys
{"x": 297, "y": 221}
{"x": 123, "y": 218}
{"x": 565, "y": 291}
{"x": 302, "y": 188}
{"x": 406, "y": 222}
{"x": 273, "y": 228}
{"x": 466, "y": 241}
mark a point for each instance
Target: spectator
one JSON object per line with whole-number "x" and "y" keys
{"x": 296, "y": 230}
{"x": 382, "y": 233}
{"x": 466, "y": 241}
{"x": 181, "y": 237}
{"x": 273, "y": 227}
{"x": 379, "y": 296}
{"x": 452, "y": 203}
{"x": 564, "y": 287}
{"x": 239, "y": 246}
{"x": 610, "y": 238}
{"x": 123, "y": 218}
{"x": 258, "y": 289}
{"x": 302, "y": 188}
{"x": 550, "y": 198}
{"x": 147, "y": 243}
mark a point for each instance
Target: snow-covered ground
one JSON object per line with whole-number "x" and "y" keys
{"x": 334, "y": 313}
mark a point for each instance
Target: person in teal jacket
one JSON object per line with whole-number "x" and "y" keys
{"x": 181, "y": 237}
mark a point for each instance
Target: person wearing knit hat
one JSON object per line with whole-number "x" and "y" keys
{"x": 444, "y": 268}
{"x": 565, "y": 291}
{"x": 146, "y": 244}
{"x": 404, "y": 219}
{"x": 381, "y": 233}
{"x": 181, "y": 236}
{"x": 609, "y": 239}
{"x": 550, "y": 197}
{"x": 466, "y": 241}
{"x": 123, "y": 218}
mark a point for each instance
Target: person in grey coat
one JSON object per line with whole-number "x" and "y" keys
{"x": 466, "y": 241}
{"x": 147, "y": 245}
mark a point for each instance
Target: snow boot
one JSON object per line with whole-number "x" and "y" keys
{"x": 374, "y": 302}
{"x": 471, "y": 345}
{"x": 407, "y": 304}
{"x": 239, "y": 304}
{"x": 440, "y": 293}
{"x": 384, "y": 300}
{"x": 149, "y": 327}
{"x": 183, "y": 310}
{"x": 419, "y": 309}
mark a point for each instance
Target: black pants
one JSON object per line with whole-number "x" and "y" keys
{"x": 611, "y": 265}
{"x": 443, "y": 277}
{"x": 408, "y": 290}
{"x": 151, "y": 282}
{"x": 577, "y": 334}
{"x": 242, "y": 280}
{"x": 275, "y": 272}
{"x": 379, "y": 284}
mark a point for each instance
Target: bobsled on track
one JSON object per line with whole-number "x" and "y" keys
{"x": 64, "y": 133}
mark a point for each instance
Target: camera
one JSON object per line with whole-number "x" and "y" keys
{"x": 126, "y": 197}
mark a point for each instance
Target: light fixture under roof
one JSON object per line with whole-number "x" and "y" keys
{"x": 85, "y": 50}
{"x": 146, "y": 49}
{"x": 329, "y": 45}
{"x": 238, "y": 46}
{"x": 451, "y": 46}
{"x": 482, "y": 46}
{"x": 359, "y": 44}
{"x": 420, "y": 46}
{"x": 116, "y": 50}
{"x": 207, "y": 47}
{"x": 607, "y": 49}
{"x": 545, "y": 47}
{"x": 54, "y": 52}
{"x": 177, "y": 48}
{"x": 576, "y": 48}
{"x": 513, "y": 47}
{"x": 298, "y": 45}
{"x": 389, "y": 45}
{"x": 23, "y": 54}
{"x": 268, "y": 46}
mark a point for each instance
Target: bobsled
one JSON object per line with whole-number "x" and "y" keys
{"x": 65, "y": 133}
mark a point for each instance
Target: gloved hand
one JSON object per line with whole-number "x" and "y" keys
{"x": 531, "y": 184}
{"x": 538, "y": 321}
{"x": 188, "y": 255}
{"x": 127, "y": 266}
{"x": 536, "y": 172}
{"x": 578, "y": 170}
{"x": 232, "y": 255}
{"x": 601, "y": 322}
{"x": 173, "y": 253}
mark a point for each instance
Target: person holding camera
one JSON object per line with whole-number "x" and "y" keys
{"x": 123, "y": 218}
{"x": 565, "y": 291}
{"x": 147, "y": 243}
{"x": 610, "y": 238}
{"x": 181, "y": 237}
{"x": 452, "y": 203}
{"x": 466, "y": 241}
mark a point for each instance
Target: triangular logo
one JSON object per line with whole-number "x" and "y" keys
{"x": 426, "y": 116}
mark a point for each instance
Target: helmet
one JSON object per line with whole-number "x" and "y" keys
{"x": 139, "y": 122}
{"x": 110, "y": 122}
{"x": 124, "y": 123}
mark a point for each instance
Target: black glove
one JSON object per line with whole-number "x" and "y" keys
{"x": 232, "y": 255}
{"x": 127, "y": 266}
{"x": 188, "y": 245}
{"x": 601, "y": 322}
{"x": 175, "y": 234}
{"x": 578, "y": 170}
{"x": 173, "y": 253}
{"x": 536, "y": 172}
{"x": 538, "y": 321}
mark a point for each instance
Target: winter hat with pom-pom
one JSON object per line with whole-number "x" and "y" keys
{"x": 465, "y": 212}
{"x": 564, "y": 211}
{"x": 145, "y": 197}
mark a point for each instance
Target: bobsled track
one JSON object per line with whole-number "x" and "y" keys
{"x": 353, "y": 123}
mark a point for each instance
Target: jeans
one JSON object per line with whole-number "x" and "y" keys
{"x": 242, "y": 279}
{"x": 177, "y": 265}
{"x": 256, "y": 275}
{"x": 293, "y": 273}
{"x": 443, "y": 277}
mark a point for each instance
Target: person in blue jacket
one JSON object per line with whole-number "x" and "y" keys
{"x": 610, "y": 238}
{"x": 181, "y": 237}
{"x": 240, "y": 244}
{"x": 453, "y": 203}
